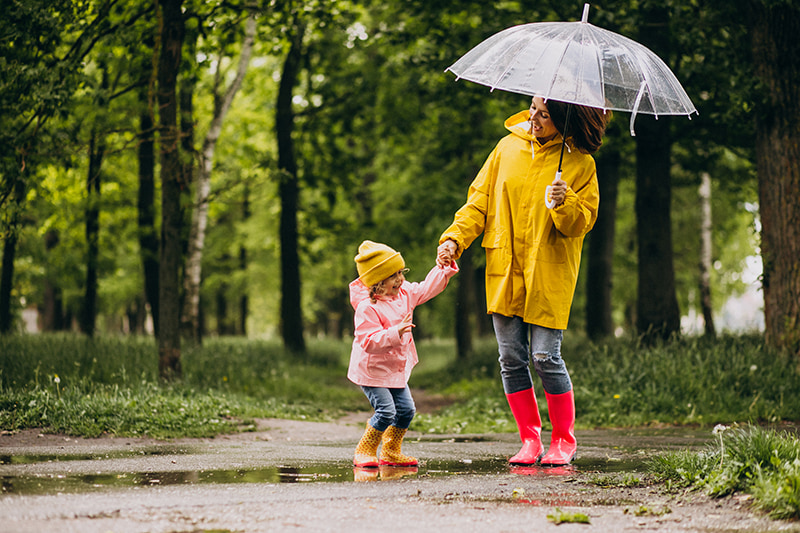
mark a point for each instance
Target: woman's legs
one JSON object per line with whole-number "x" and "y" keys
{"x": 515, "y": 348}
{"x": 512, "y": 343}
{"x": 546, "y": 350}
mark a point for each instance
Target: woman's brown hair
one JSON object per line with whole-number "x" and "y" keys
{"x": 586, "y": 124}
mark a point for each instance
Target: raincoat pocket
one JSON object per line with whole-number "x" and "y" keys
{"x": 381, "y": 365}
{"x": 551, "y": 250}
{"x": 498, "y": 257}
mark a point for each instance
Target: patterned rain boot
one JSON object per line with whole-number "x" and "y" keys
{"x": 366, "y": 455}
{"x": 526, "y": 414}
{"x": 390, "y": 451}
{"x": 563, "y": 446}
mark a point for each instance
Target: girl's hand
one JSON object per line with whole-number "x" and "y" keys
{"x": 558, "y": 191}
{"x": 446, "y": 252}
{"x": 405, "y": 325}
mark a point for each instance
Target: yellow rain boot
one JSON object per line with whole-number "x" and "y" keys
{"x": 390, "y": 451}
{"x": 367, "y": 450}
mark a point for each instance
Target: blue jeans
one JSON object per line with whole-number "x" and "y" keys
{"x": 393, "y": 407}
{"x": 515, "y": 349}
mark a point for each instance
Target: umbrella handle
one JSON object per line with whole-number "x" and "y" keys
{"x": 548, "y": 203}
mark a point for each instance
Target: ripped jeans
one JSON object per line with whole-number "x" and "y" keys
{"x": 515, "y": 348}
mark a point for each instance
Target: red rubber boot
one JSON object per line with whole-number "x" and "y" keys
{"x": 563, "y": 446}
{"x": 526, "y": 413}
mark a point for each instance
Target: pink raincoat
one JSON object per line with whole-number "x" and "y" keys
{"x": 380, "y": 356}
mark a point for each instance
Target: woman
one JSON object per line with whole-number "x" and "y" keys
{"x": 532, "y": 257}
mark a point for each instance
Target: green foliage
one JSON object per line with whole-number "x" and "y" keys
{"x": 750, "y": 459}
{"x": 621, "y": 383}
{"x": 80, "y": 386}
{"x": 564, "y": 517}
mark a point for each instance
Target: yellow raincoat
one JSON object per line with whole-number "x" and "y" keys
{"x": 532, "y": 253}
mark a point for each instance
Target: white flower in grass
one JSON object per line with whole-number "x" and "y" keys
{"x": 719, "y": 428}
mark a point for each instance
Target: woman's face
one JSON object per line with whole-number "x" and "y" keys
{"x": 542, "y": 126}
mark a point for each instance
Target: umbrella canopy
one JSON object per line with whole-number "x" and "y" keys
{"x": 578, "y": 63}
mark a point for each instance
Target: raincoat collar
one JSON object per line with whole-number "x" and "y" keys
{"x": 518, "y": 125}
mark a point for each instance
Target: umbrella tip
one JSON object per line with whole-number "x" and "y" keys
{"x": 585, "y": 17}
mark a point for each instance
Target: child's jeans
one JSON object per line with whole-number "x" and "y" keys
{"x": 393, "y": 407}
{"x": 515, "y": 349}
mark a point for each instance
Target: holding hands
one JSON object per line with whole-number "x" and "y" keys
{"x": 446, "y": 252}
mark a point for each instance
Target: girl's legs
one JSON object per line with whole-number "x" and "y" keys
{"x": 366, "y": 455}
{"x": 391, "y": 453}
{"x": 393, "y": 407}
{"x": 394, "y": 410}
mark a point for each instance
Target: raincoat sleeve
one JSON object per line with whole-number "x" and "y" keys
{"x": 434, "y": 283}
{"x": 470, "y": 220}
{"x": 371, "y": 334}
{"x": 576, "y": 216}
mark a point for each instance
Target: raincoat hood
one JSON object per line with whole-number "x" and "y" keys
{"x": 519, "y": 125}
{"x": 358, "y": 293}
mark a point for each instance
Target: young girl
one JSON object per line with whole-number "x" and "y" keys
{"x": 383, "y": 353}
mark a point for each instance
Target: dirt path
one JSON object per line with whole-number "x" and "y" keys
{"x": 296, "y": 476}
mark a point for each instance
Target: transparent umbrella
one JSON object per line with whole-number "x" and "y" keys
{"x": 577, "y": 63}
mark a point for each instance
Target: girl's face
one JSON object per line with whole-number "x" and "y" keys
{"x": 392, "y": 284}
{"x": 542, "y": 126}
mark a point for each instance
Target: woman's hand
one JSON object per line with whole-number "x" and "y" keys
{"x": 405, "y": 325}
{"x": 446, "y": 252}
{"x": 558, "y": 191}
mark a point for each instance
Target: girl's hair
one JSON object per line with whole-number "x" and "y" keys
{"x": 586, "y": 124}
{"x": 376, "y": 290}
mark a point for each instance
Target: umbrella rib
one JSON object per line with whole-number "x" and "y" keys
{"x": 561, "y": 58}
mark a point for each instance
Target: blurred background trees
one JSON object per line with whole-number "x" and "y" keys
{"x": 297, "y": 129}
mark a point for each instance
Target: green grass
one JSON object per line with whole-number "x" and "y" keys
{"x": 562, "y": 517}
{"x": 620, "y": 383}
{"x": 748, "y": 459}
{"x": 78, "y": 386}
{"x": 110, "y": 385}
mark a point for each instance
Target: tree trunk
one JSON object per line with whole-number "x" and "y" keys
{"x": 222, "y": 103}
{"x": 776, "y": 47}
{"x": 148, "y": 239}
{"x": 705, "y": 254}
{"x": 171, "y": 40}
{"x": 289, "y": 191}
{"x": 244, "y": 302}
{"x": 97, "y": 149}
{"x": 53, "y": 307}
{"x": 657, "y": 313}
{"x": 9, "y": 252}
{"x": 599, "y": 323}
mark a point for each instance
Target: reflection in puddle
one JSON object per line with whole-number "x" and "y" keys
{"x": 53, "y": 458}
{"x": 383, "y": 473}
{"x": 303, "y": 473}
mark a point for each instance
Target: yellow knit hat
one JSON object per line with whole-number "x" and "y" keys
{"x": 376, "y": 262}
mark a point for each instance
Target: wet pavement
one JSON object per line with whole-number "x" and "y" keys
{"x": 291, "y": 475}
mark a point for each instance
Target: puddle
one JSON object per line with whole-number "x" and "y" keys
{"x": 125, "y": 454}
{"x": 306, "y": 473}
